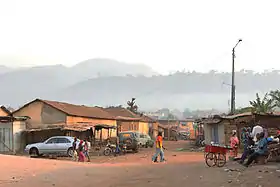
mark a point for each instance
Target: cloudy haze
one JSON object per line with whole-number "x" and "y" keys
{"x": 166, "y": 35}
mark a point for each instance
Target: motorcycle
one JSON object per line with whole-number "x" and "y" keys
{"x": 112, "y": 149}
{"x": 109, "y": 149}
{"x": 123, "y": 149}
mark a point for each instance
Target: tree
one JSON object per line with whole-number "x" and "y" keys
{"x": 275, "y": 95}
{"x": 264, "y": 105}
{"x": 132, "y": 106}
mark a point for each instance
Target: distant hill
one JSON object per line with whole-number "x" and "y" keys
{"x": 19, "y": 85}
{"x": 106, "y": 67}
{"x": 179, "y": 90}
{"x": 107, "y": 82}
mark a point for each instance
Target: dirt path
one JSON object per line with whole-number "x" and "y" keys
{"x": 184, "y": 169}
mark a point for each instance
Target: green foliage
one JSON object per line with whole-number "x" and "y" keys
{"x": 264, "y": 105}
{"x": 275, "y": 95}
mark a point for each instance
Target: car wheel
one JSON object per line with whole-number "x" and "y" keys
{"x": 147, "y": 145}
{"x": 136, "y": 150}
{"x": 128, "y": 142}
{"x": 34, "y": 152}
{"x": 70, "y": 152}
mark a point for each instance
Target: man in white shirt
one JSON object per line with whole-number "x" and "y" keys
{"x": 256, "y": 130}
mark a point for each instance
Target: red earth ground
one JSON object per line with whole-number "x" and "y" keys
{"x": 137, "y": 170}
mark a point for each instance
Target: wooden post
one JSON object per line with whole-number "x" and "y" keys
{"x": 94, "y": 135}
{"x": 168, "y": 129}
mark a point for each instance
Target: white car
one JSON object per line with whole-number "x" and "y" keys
{"x": 58, "y": 145}
{"x": 145, "y": 140}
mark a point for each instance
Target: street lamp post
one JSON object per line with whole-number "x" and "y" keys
{"x": 232, "y": 107}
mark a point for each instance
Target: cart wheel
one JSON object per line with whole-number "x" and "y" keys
{"x": 221, "y": 160}
{"x": 210, "y": 159}
{"x": 205, "y": 153}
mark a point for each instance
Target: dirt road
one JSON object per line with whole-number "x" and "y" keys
{"x": 181, "y": 169}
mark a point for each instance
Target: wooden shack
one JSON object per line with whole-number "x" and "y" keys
{"x": 218, "y": 129}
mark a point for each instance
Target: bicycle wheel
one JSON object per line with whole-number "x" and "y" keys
{"x": 221, "y": 160}
{"x": 210, "y": 159}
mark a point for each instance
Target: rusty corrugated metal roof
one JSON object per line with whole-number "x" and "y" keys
{"x": 119, "y": 111}
{"x": 80, "y": 110}
{"x": 125, "y": 114}
{"x": 80, "y": 127}
{"x": 74, "y": 110}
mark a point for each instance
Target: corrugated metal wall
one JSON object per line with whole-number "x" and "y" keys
{"x": 6, "y": 137}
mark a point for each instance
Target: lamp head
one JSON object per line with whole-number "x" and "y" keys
{"x": 240, "y": 40}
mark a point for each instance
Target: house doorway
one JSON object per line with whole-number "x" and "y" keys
{"x": 215, "y": 133}
{"x": 6, "y": 138}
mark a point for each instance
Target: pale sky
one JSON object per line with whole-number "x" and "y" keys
{"x": 166, "y": 35}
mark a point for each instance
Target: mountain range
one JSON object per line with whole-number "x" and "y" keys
{"x": 106, "y": 82}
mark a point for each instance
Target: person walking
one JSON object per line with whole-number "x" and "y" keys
{"x": 159, "y": 149}
{"x": 87, "y": 148}
{"x": 74, "y": 147}
{"x": 81, "y": 151}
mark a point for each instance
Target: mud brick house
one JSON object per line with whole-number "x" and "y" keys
{"x": 50, "y": 118}
{"x": 219, "y": 128}
{"x": 129, "y": 121}
{"x": 11, "y": 129}
{"x": 4, "y": 111}
{"x": 172, "y": 126}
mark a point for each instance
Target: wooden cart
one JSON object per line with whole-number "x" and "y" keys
{"x": 215, "y": 155}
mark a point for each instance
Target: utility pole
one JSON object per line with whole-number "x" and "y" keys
{"x": 232, "y": 106}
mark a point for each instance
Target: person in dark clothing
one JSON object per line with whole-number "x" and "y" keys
{"x": 74, "y": 147}
{"x": 261, "y": 150}
{"x": 247, "y": 149}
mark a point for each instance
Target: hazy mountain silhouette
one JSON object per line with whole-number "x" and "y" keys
{"x": 23, "y": 84}
{"x": 107, "y": 82}
{"x": 180, "y": 90}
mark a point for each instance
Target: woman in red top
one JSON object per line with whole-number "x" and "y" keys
{"x": 81, "y": 151}
{"x": 234, "y": 142}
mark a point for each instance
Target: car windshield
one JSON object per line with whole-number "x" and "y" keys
{"x": 60, "y": 140}
{"x": 126, "y": 135}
